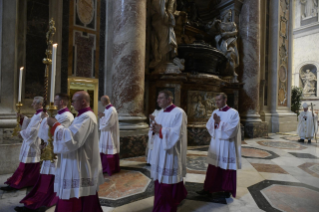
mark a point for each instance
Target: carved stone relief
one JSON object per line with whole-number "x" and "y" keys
{"x": 309, "y": 8}
{"x": 163, "y": 38}
{"x": 201, "y": 104}
{"x": 308, "y": 77}
{"x": 85, "y": 15}
{"x": 226, "y": 39}
{"x": 283, "y": 53}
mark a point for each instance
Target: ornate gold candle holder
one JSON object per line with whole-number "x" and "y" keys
{"x": 17, "y": 129}
{"x": 48, "y": 153}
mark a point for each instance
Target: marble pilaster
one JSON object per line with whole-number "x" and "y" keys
{"x": 128, "y": 69}
{"x": 9, "y": 64}
{"x": 279, "y": 117}
{"x": 249, "y": 32}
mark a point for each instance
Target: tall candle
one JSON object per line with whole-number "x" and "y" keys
{"x": 53, "y": 71}
{"x": 20, "y": 84}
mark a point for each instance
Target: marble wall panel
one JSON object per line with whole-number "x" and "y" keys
{"x": 283, "y": 53}
{"x": 84, "y": 38}
{"x": 37, "y": 26}
{"x": 102, "y": 68}
{"x": 65, "y": 46}
{"x": 84, "y": 54}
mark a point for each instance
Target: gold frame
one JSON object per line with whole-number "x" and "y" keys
{"x": 83, "y": 80}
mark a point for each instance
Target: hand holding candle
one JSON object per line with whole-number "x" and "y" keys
{"x": 20, "y": 84}
{"x": 53, "y": 71}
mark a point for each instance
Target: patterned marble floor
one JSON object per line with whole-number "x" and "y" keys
{"x": 278, "y": 174}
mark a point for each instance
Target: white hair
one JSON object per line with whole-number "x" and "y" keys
{"x": 39, "y": 99}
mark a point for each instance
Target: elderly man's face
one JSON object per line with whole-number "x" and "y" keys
{"x": 36, "y": 105}
{"x": 305, "y": 109}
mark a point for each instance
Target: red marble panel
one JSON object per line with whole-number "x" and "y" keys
{"x": 311, "y": 168}
{"x": 249, "y": 152}
{"x": 271, "y": 168}
{"x": 292, "y": 198}
{"x": 123, "y": 184}
{"x": 84, "y": 54}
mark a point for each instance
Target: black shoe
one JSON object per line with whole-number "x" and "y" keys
{"x": 301, "y": 140}
{"x": 24, "y": 209}
{"x": 203, "y": 192}
{"x": 309, "y": 141}
{"x": 8, "y": 188}
{"x": 227, "y": 195}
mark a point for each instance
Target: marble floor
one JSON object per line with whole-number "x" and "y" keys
{"x": 278, "y": 174}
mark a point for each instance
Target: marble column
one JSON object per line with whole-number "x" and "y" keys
{"x": 249, "y": 32}
{"x": 128, "y": 69}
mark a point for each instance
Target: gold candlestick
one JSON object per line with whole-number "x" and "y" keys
{"x": 17, "y": 129}
{"x": 48, "y": 153}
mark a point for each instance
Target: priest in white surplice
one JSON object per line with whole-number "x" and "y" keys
{"x": 79, "y": 170}
{"x": 149, "y": 147}
{"x": 307, "y": 124}
{"x": 168, "y": 164}
{"x": 224, "y": 153}
{"x": 110, "y": 137}
{"x": 27, "y": 173}
{"x": 42, "y": 194}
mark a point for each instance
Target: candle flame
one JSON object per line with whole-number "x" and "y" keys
{"x": 55, "y": 45}
{"x": 22, "y": 68}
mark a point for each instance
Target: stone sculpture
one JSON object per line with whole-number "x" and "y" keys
{"x": 226, "y": 39}
{"x": 163, "y": 38}
{"x": 310, "y": 8}
{"x": 309, "y": 80}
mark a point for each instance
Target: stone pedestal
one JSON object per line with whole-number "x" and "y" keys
{"x": 249, "y": 71}
{"x": 128, "y": 73}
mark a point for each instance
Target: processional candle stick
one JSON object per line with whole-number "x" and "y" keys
{"x": 20, "y": 84}
{"x": 53, "y": 71}
{"x": 48, "y": 153}
{"x": 17, "y": 129}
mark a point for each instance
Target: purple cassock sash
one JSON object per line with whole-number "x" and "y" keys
{"x": 110, "y": 163}
{"x": 42, "y": 194}
{"x": 168, "y": 196}
{"x": 218, "y": 179}
{"x": 63, "y": 110}
{"x": 26, "y": 175}
{"x": 169, "y": 108}
{"x": 80, "y": 112}
{"x": 84, "y": 204}
{"x": 224, "y": 109}
{"x": 107, "y": 107}
{"x": 38, "y": 111}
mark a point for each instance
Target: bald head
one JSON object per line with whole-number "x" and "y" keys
{"x": 105, "y": 100}
{"x": 81, "y": 100}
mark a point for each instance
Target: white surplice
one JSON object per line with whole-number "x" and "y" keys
{"x": 30, "y": 150}
{"x": 65, "y": 119}
{"x": 225, "y": 145}
{"x": 168, "y": 164}
{"x": 149, "y": 147}
{"x": 307, "y": 127}
{"x": 110, "y": 133}
{"x": 79, "y": 169}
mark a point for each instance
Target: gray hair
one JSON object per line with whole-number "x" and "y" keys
{"x": 39, "y": 99}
